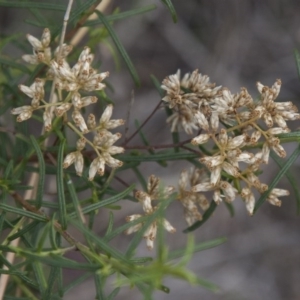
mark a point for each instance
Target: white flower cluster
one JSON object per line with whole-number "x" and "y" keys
{"x": 145, "y": 198}
{"x": 233, "y": 123}
{"x": 69, "y": 82}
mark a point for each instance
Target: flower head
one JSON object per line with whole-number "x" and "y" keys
{"x": 146, "y": 198}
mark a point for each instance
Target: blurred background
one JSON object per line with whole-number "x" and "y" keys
{"x": 236, "y": 43}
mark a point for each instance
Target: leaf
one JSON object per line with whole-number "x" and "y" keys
{"x": 101, "y": 243}
{"x": 297, "y": 58}
{"x": 122, "y": 228}
{"x": 110, "y": 223}
{"x": 41, "y": 183}
{"x": 111, "y": 200}
{"x": 113, "y": 294}
{"x": 24, "y": 213}
{"x": 140, "y": 177}
{"x": 79, "y": 11}
{"x": 24, "y": 230}
{"x": 171, "y": 8}
{"x": 120, "y": 47}
{"x": 290, "y": 178}
{"x": 74, "y": 198}
{"x": 21, "y": 275}
{"x": 51, "y": 280}
{"x": 122, "y": 15}
{"x": 62, "y": 262}
{"x": 98, "y": 278}
{"x": 40, "y": 5}
{"x": 76, "y": 282}
{"x": 60, "y": 186}
{"x": 280, "y": 174}
{"x": 206, "y": 216}
{"x": 199, "y": 247}
{"x": 162, "y": 155}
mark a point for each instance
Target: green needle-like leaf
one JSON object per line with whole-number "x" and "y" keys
{"x": 122, "y": 15}
{"x": 171, "y": 8}
{"x": 162, "y": 155}
{"x": 199, "y": 247}
{"x": 60, "y": 186}
{"x": 280, "y": 174}
{"x": 40, "y": 5}
{"x": 297, "y": 58}
{"x": 101, "y": 243}
{"x": 24, "y": 213}
{"x": 41, "y": 182}
{"x": 291, "y": 179}
{"x": 121, "y": 48}
{"x": 111, "y": 200}
{"x": 206, "y": 216}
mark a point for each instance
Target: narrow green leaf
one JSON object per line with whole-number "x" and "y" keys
{"x": 140, "y": 177}
{"x": 199, "y": 247}
{"x": 40, "y": 276}
{"x": 141, "y": 260}
{"x": 74, "y": 198}
{"x": 60, "y": 186}
{"x": 122, "y": 228}
{"x": 206, "y": 216}
{"x": 80, "y": 9}
{"x": 297, "y": 58}
{"x": 21, "y": 275}
{"x": 208, "y": 285}
{"x": 13, "y": 64}
{"x": 288, "y": 137}
{"x": 51, "y": 280}
{"x": 111, "y": 200}
{"x": 113, "y": 294}
{"x": 24, "y": 230}
{"x": 122, "y": 15}
{"x": 101, "y": 243}
{"x": 120, "y": 47}
{"x": 41, "y": 182}
{"x": 21, "y": 212}
{"x": 99, "y": 286}
{"x": 291, "y": 178}
{"x": 171, "y": 8}
{"x": 76, "y": 282}
{"x": 8, "y": 169}
{"x": 280, "y": 174}
{"x": 162, "y": 155}
{"x": 230, "y": 208}
{"x": 40, "y": 5}
{"x": 110, "y": 224}
{"x": 61, "y": 262}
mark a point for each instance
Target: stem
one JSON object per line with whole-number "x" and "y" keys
{"x": 142, "y": 125}
{"x": 146, "y": 147}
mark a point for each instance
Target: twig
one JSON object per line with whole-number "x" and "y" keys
{"x": 142, "y": 125}
{"x": 130, "y": 104}
{"x": 82, "y": 31}
{"x": 150, "y": 147}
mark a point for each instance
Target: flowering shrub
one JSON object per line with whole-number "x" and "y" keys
{"x": 231, "y": 138}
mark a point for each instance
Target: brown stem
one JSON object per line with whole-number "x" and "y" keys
{"x": 80, "y": 23}
{"x": 142, "y": 125}
{"x": 152, "y": 147}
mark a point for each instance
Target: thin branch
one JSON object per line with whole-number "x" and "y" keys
{"x": 142, "y": 125}
{"x": 80, "y": 23}
{"x": 152, "y": 147}
{"x": 130, "y": 104}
